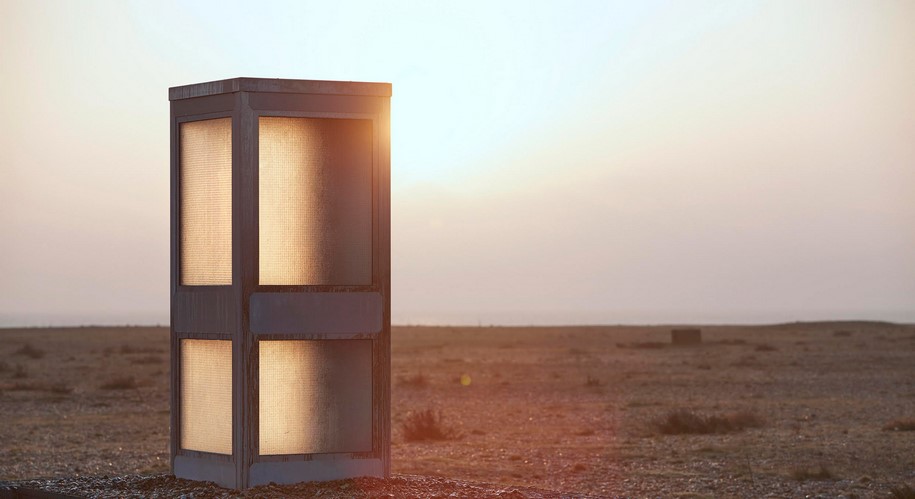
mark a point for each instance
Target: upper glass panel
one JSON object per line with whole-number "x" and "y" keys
{"x": 205, "y": 186}
{"x": 315, "y": 201}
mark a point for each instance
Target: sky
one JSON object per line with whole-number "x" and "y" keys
{"x": 552, "y": 162}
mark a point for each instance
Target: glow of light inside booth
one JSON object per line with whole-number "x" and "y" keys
{"x": 315, "y": 201}
{"x": 205, "y": 206}
{"x": 315, "y": 396}
{"x": 206, "y": 395}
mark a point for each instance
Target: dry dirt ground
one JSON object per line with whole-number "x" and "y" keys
{"x": 570, "y": 409}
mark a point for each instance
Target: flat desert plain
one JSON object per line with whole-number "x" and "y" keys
{"x": 791, "y": 410}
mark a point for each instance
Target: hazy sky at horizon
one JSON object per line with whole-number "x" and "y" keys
{"x": 553, "y": 162}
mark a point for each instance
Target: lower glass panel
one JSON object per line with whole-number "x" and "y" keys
{"x": 315, "y": 396}
{"x": 206, "y": 395}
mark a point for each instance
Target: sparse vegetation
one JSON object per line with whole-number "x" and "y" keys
{"x": 842, "y": 333}
{"x": 805, "y": 474}
{"x": 148, "y": 359}
{"x": 418, "y": 380}
{"x": 647, "y": 345}
{"x": 128, "y": 349}
{"x": 37, "y": 386}
{"x": 425, "y": 425}
{"x": 765, "y": 347}
{"x": 681, "y": 421}
{"x": 907, "y": 424}
{"x": 123, "y": 383}
{"x": 30, "y": 351}
{"x": 22, "y": 386}
{"x": 550, "y": 403}
{"x": 60, "y": 388}
{"x": 746, "y": 361}
{"x": 903, "y": 491}
{"x": 20, "y": 372}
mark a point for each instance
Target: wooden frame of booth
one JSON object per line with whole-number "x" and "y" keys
{"x": 246, "y": 312}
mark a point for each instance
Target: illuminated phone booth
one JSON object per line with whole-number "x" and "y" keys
{"x": 280, "y": 281}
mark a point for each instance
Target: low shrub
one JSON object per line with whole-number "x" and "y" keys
{"x": 417, "y": 380}
{"x": 22, "y": 386}
{"x": 681, "y": 421}
{"x": 30, "y": 351}
{"x": 900, "y": 425}
{"x": 60, "y": 388}
{"x": 903, "y": 491}
{"x": 128, "y": 349}
{"x": 148, "y": 359}
{"x": 425, "y": 425}
{"x": 125, "y": 383}
{"x": 804, "y": 474}
{"x": 645, "y": 345}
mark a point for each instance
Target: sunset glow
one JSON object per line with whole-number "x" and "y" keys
{"x": 589, "y": 163}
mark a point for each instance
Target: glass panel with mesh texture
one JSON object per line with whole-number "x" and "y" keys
{"x": 206, "y": 395}
{"x": 315, "y": 201}
{"x": 205, "y": 186}
{"x": 315, "y": 396}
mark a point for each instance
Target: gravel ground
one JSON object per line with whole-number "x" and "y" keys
{"x": 567, "y": 409}
{"x": 167, "y": 486}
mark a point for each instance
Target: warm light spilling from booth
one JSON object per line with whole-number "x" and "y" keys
{"x": 280, "y": 281}
{"x": 206, "y": 202}
{"x": 315, "y": 396}
{"x": 206, "y": 395}
{"x": 315, "y": 214}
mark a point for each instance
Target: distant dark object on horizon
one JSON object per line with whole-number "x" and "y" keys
{"x": 681, "y": 337}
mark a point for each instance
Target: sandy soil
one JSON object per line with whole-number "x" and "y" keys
{"x": 568, "y": 409}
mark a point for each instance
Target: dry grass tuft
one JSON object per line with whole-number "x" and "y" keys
{"x": 684, "y": 422}
{"x": 730, "y": 342}
{"x": 20, "y": 372}
{"x": 418, "y": 380}
{"x": 746, "y": 361}
{"x": 60, "y": 388}
{"x": 764, "y": 347}
{"x": 593, "y": 382}
{"x": 127, "y": 348}
{"x": 30, "y": 351}
{"x": 124, "y": 383}
{"x": 904, "y": 491}
{"x": 425, "y": 425}
{"x": 22, "y": 386}
{"x": 804, "y": 474}
{"x": 644, "y": 345}
{"x": 900, "y": 425}
{"x": 36, "y": 386}
{"x": 148, "y": 359}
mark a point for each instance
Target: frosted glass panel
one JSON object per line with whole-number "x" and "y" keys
{"x": 206, "y": 395}
{"x": 315, "y": 396}
{"x": 205, "y": 166}
{"x": 315, "y": 205}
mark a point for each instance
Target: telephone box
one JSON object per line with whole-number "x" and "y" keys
{"x": 280, "y": 281}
